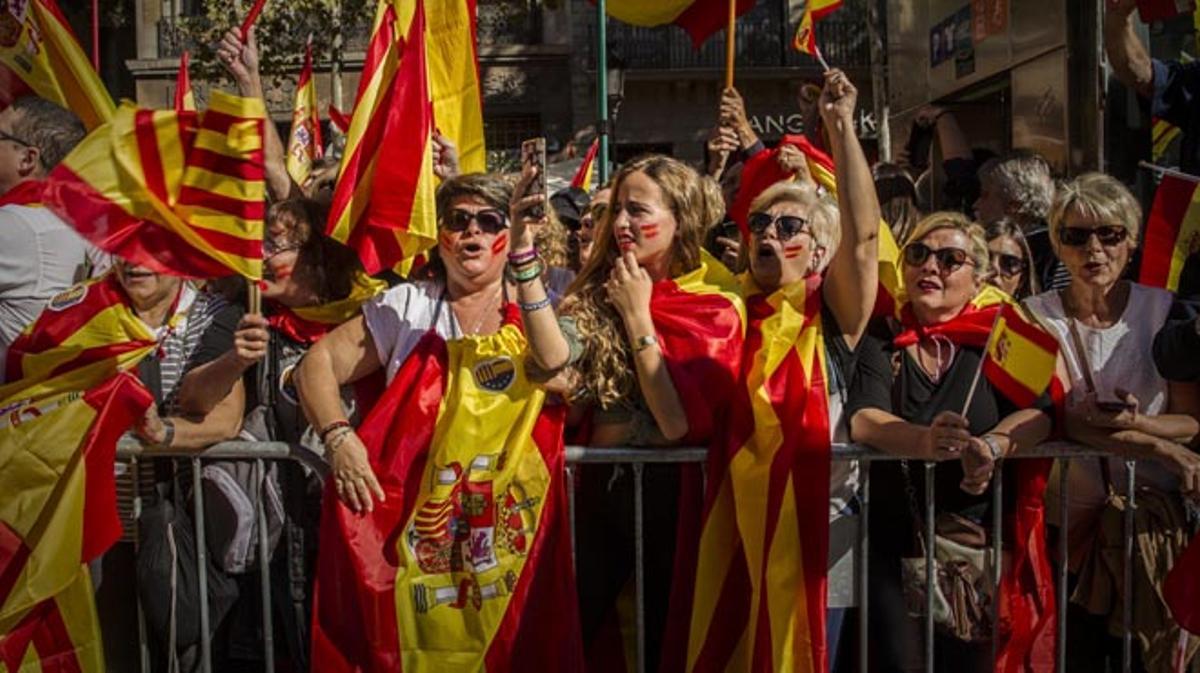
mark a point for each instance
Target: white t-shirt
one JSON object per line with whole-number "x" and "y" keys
{"x": 1119, "y": 356}
{"x": 398, "y": 318}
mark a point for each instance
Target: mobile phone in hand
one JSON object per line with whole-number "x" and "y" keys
{"x": 533, "y": 152}
{"x": 1113, "y": 406}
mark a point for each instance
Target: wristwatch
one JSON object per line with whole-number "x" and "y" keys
{"x": 644, "y": 342}
{"x": 168, "y": 434}
{"x": 993, "y": 446}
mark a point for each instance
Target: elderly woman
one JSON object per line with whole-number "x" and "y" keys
{"x": 1117, "y": 402}
{"x": 1012, "y": 269}
{"x": 908, "y": 400}
{"x": 810, "y": 290}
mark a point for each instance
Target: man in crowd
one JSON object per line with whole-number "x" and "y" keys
{"x": 40, "y": 255}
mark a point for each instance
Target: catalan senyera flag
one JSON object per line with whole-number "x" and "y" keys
{"x": 700, "y": 18}
{"x": 805, "y": 39}
{"x": 1172, "y": 231}
{"x": 467, "y": 564}
{"x": 304, "y": 142}
{"x": 1162, "y": 134}
{"x": 759, "y": 596}
{"x": 762, "y": 170}
{"x": 420, "y": 73}
{"x": 583, "y": 176}
{"x": 70, "y": 396}
{"x": 1020, "y": 357}
{"x": 1158, "y": 10}
{"x": 185, "y": 99}
{"x": 40, "y": 56}
{"x": 181, "y": 193}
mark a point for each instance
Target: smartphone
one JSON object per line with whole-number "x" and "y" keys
{"x": 533, "y": 152}
{"x": 1112, "y": 406}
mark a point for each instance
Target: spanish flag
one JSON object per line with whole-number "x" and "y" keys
{"x": 583, "y": 176}
{"x": 762, "y": 170}
{"x": 700, "y": 18}
{"x": 181, "y": 193}
{"x": 185, "y": 100}
{"x": 1172, "y": 231}
{"x": 307, "y": 324}
{"x": 420, "y": 73}
{"x": 39, "y": 56}
{"x": 467, "y": 564}
{"x": 805, "y": 39}
{"x": 69, "y": 397}
{"x": 304, "y": 143}
{"x": 758, "y": 602}
{"x": 1181, "y": 591}
{"x": 1019, "y": 357}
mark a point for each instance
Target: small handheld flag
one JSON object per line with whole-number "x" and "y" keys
{"x": 583, "y": 176}
{"x": 248, "y": 22}
{"x": 185, "y": 100}
{"x": 1172, "y": 230}
{"x": 805, "y": 40}
{"x": 1018, "y": 360}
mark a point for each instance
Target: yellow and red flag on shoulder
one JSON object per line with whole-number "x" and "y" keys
{"x": 185, "y": 99}
{"x": 307, "y": 324}
{"x": 805, "y": 39}
{"x": 420, "y": 73}
{"x": 1019, "y": 357}
{"x": 179, "y": 192}
{"x": 763, "y": 170}
{"x": 40, "y": 56}
{"x": 1172, "y": 230}
{"x": 583, "y": 176}
{"x": 304, "y": 142}
{"x": 759, "y": 597}
{"x": 466, "y": 566}
{"x": 700, "y": 18}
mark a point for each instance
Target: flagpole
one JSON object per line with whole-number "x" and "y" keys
{"x": 979, "y": 369}
{"x": 730, "y": 44}
{"x": 1163, "y": 170}
{"x": 602, "y": 85}
{"x": 96, "y": 35}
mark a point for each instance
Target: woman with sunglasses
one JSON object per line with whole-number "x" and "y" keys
{"x": 585, "y": 237}
{"x": 908, "y": 400}
{"x": 1117, "y": 402}
{"x": 1010, "y": 257}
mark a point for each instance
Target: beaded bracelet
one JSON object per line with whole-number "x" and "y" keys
{"x": 518, "y": 258}
{"x": 525, "y": 273}
{"x": 535, "y": 306}
{"x": 324, "y": 433}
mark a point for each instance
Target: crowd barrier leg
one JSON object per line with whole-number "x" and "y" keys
{"x": 143, "y": 643}
{"x": 1060, "y": 608}
{"x": 569, "y": 475}
{"x": 201, "y": 567}
{"x": 1127, "y": 580}
{"x": 863, "y": 559}
{"x": 639, "y": 558}
{"x": 997, "y": 552}
{"x": 264, "y": 568}
{"x": 930, "y": 580}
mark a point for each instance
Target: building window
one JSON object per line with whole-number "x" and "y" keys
{"x": 503, "y": 134}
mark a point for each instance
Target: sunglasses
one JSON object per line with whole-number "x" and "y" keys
{"x": 490, "y": 220}
{"x": 948, "y": 260}
{"x": 4, "y": 135}
{"x": 1079, "y": 236}
{"x": 786, "y": 226}
{"x": 1009, "y": 265}
{"x": 271, "y": 248}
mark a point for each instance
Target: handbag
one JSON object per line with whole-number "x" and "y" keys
{"x": 962, "y": 594}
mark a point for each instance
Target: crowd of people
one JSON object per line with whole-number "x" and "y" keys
{"x": 643, "y": 309}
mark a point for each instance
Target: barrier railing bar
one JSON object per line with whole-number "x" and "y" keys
{"x": 569, "y": 475}
{"x": 143, "y": 637}
{"x": 997, "y": 551}
{"x": 639, "y": 566}
{"x": 1127, "y": 580}
{"x": 930, "y": 580}
{"x": 863, "y": 556}
{"x": 201, "y": 567}
{"x": 1063, "y": 567}
{"x": 264, "y": 568}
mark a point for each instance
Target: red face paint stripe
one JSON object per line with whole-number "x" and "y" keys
{"x": 500, "y": 244}
{"x": 649, "y": 230}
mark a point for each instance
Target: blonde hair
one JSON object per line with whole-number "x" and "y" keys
{"x": 823, "y": 215}
{"x": 607, "y": 373}
{"x": 551, "y": 241}
{"x": 1096, "y": 196}
{"x": 977, "y": 247}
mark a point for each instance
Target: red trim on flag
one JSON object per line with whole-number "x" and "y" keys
{"x": 223, "y": 165}
{"x": 236, "y": 208}
{"x": 221, "y": 122}
{"x": 13, "y": 555}
{"x": 12, "y": 86}
{"x": 52, "y": 328}
{"x": 1171, "y": 203}
{"x": 1008, "y": 386}
{"x": 151, "y": 160}
{"x": 703, "y": 18}
{"x": 44, "y": 628}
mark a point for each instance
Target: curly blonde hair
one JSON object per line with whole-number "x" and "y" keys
{"x": 607, "y": 372}
{"x": 551, "y": 241}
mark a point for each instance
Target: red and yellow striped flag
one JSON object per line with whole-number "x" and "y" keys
{"x": 700, "y": 18}
{"x": 40, "y": 56}
{"x": 181, "y": 193}
{"x": 1172, "y": 231}
{"x": 583, "y": 176}
{"x": 304, "y": 142}
{"x": 185, "y": 100}
{"x": 420, "y": 73}
{"x": 1162, "y": 134}
{"x": 1019, "y": 357}
{"x": 805, "y": 39}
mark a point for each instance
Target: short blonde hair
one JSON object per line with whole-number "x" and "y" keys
{"x": 824, "y": 216}
{"x": 1097, "y": 196}
{"x": 977, "y": 248}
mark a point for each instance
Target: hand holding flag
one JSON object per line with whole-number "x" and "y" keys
{"x": 251, "y": 17}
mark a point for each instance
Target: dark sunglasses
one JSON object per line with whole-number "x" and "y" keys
{"x": 1079, "y": 236}
{"x": 1009, "y": 265}
{"x": 490, "y": 220}
{"x": 948, "y": 259}
{"x": 786, "y": 226}
{"x": 4, "y": 135}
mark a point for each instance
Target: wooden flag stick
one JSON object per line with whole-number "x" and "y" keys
{"x": 253, "y": 297}
{"x": 730, "y": 43}
{"x": 979, "y": 370}
{"x": 248, "y": 22}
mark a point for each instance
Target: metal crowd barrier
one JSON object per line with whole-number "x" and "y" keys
{"x": 637, "y": 459}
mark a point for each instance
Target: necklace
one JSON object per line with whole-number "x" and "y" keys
{"x": 482, "y": 315}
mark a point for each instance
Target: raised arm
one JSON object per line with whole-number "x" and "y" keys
{"x": 547, "y": 346}
{"x": 853, "y": 276}
{"x": 1126, "y": 53}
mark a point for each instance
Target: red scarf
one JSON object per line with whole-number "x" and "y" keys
{"x": 26, "y": 193}
{"x": 302, "y": 331}
{"x": 971, "y": 327}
